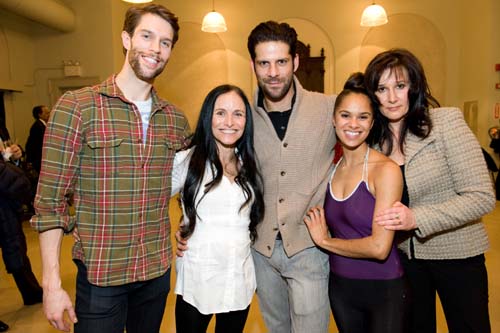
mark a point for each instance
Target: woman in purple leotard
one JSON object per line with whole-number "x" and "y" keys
{"x": 366, "y": 289}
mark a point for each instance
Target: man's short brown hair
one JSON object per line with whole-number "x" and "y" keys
{"x": 135, "y": 13}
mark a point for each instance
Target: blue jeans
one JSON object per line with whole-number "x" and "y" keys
{"x": 138, "y": 306}
{"x": 293, "y": 291}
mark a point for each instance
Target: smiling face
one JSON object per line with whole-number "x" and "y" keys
{"x": 274, "y": 68}
{"x": 392, "y": 93}
{"x": 228, "y": 119}
{"x": 353, "y": 120}
{"x": 149, "y": 48}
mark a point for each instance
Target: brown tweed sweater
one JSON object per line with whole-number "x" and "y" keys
{"x": 449, "y": 189}
{"x": 295, "y": 171}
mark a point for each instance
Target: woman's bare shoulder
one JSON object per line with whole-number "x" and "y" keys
{"x": 382, "y": 166}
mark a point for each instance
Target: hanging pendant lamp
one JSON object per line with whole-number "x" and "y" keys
{"x": 213, "y": 21}
{"x": 373, "y": 16}
{"x": 138, "y": 1}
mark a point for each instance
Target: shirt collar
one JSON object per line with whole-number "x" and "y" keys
{"x": 111, "y": 89}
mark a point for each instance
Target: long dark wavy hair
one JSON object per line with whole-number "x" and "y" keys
{"x": 417, "y": 121}
{"x": 204, "y": 150}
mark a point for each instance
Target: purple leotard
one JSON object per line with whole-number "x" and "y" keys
{"x": 351, "y": 218}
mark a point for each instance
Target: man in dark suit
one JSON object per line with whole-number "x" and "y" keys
{"x": 34, "y": 144}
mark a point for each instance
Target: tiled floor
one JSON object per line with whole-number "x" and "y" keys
{"x": 30, "y": 319}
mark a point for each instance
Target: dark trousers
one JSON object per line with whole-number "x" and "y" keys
{"x": 189, "y": 320}
{"x": 12, "y": 239}
{"x": 14, "y": 252}
{"x": 138, "y": 306}
{"x": 369, "y": 306}
{"x": 462, "y": 286}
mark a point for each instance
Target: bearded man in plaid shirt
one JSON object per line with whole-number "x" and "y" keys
{"x": 111, "y": 147}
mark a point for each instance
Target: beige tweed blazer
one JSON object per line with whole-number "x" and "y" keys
{"x": 449, "y": 189}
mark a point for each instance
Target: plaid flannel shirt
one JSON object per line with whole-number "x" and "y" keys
{"x": 94, "y": 149}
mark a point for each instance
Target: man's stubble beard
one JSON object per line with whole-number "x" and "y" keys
{"x": 135, "y": 64}
{"x": 271, "y": 94}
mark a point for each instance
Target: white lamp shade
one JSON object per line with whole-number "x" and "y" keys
{"x": 138, "y": 1}
{"x": 373, "y": 15}
{"x": 214, "y": 22}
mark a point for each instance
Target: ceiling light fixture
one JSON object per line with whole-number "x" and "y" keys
{"x": 138, "y": 1}
{"x": 213, "y": 22}
{"x": 373, "y": 16}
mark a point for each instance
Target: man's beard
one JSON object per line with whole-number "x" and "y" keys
{"x": 134, "y": 61}
{"x": 273, "y": 94}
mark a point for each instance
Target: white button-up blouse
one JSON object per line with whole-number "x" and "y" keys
{"x": 216, "y": 273}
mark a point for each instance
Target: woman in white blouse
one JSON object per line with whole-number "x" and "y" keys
{"x": 221, "y": 198}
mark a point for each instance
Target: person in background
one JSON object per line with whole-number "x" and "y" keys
{"x": 12, "y": 238}
{"x": 367, "y": 290}
{"x": 112, "y": 147}
{"x": 13, "y": 185}
{"x": 221, "y": 196}
{"x": 33, "y": 154}
{"x": 14, "y": 189}
{"x": 11, "y": 151}
{"x": 34, "y": 144}
{"x": 494, "y": 133}
{"x": 447, "y": 191}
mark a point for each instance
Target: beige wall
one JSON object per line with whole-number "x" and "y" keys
{"x": 36, "y": 53}
{"x": 17, "y": 63}
{"x": 465, "y": 40}
{"x": 480, "y": 50}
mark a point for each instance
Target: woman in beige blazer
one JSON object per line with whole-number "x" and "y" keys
{"x": 447, "y": 191}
